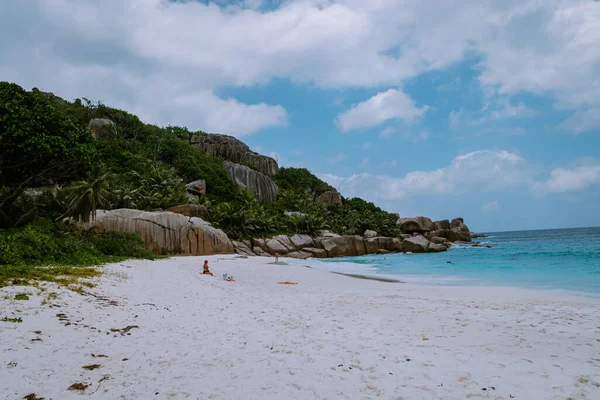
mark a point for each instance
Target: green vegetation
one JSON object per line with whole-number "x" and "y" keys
{"x": 21, "y": 296}
{"x": 53, "y": 170}
{"x": 43, "y": 251}
{"x": 15, "y": 320}
{"x": 300, "y": 179}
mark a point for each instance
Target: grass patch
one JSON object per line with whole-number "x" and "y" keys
{"x": 15, "y": 320}
{"x": 91, "y": 367}
{"x": 43, "y": 251}
{"x": 80, "y": 387}
{"x": 21, "y": 296}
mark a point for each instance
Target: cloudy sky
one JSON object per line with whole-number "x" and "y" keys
{"x": 486, "y": 109}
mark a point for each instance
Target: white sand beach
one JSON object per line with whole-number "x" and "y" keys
{"x": 328, "y": 337}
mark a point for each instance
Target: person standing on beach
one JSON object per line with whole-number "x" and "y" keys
{"x": 205, "y": 270}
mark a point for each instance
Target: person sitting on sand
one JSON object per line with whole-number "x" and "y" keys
{"x": 206, "y": 270}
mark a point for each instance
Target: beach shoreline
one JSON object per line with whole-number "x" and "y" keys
{"x": 330, "y": 336}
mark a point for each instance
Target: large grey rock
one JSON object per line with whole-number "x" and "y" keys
{"x": 231, "y": 149}
{"x": 166, "y": 232}
{"x": 317, "y": 253}
{"x": 102, "y": 127}
{"x": 415, "y": 244}
{"x": 262, "y": 243}
{"x": 453, "y": 235}
{"x": 416, "y": 224}
{"x": 301, "y": 241}
{"x": 443, "y": 224}
{"x": 370, "y": 234}
{"x": 301, "y": 255}
{"x": 457, "y": 222}
{"x": 371, "y": 245}
{"x": 197, "y": 187}
{"x": 242, "y": 248}
{"x": 344, "y": 246}
{"x": 436, "y": 248}
{"x": 394, "y": 245}
{"x": 260, "y": 252}
{"x": 330, "y": 198}
{"x": 274, "y": 246}
{"x": 190, "y": 210}
{"x": 439, "y": 240}
{"x": 259, "y": 184}
{"x": 286, "y": 241}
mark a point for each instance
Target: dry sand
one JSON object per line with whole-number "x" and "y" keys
{"x": 329, "y": 337}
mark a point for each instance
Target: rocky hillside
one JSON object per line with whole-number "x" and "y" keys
{"x": 182, "y": 192}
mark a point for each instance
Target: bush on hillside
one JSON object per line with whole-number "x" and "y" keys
{"x": 300, "y": 179}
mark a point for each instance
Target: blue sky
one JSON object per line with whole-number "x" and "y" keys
{"x": 489, "y": 110}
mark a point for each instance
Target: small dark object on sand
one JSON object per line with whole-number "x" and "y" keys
{"x": 91, "y": 367}
{"x": 33, "y": 396}
{"x": 123, "y": 331}
{"x": 79, "y": 386}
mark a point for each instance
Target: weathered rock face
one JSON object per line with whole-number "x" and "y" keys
{"x": 274, "y": 246}
{"x": 260, "y": 184}
{"x": 197, "y": 188}
{"x": 301, "y": 241}
{"x": 317, "y": 253}
{"x": 416, "y": 244}
{"x": 416, "y": 224}
{"x": 242, "y": 249}
{"x": 370, "y": 234}
{"x": 436, "y": 248}
{"x": 101, "y": 126}
{"x": 330, "y": 198}
{"x": 344, "y": 246}
{"x": 190, "y": 210}
{"x": 443, "y": 224}
{"x": 301, "y": 255}
{"x": 166, "y": 232}
{"x": 234, "y": 150}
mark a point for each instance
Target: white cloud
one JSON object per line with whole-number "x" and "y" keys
{"x": 490, "y": 207}
{"x": 454, "y": 118}
{"x": 228, "y": 115}
{"x": 364, "y": 162}
{"x": 582, "y": 121}
{"x": 392, "y": 104}
{"x": 484, "y": 170}
{"x": 141, "y": 54}
{"x": 580, "y": 177}
{"x": 511, "y": 111}
{"x": 365, "y": 146}
{"x": 338, "y": 158}
{"x": 387, "y": 132}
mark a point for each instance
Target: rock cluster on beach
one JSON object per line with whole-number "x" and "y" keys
{"x": 166, "y": 232}
{"x": 182, "y": 231}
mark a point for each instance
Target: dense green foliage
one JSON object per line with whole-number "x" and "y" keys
{"x": 38, "y": 146}
{"x": 43, "y": 243}
{"x": 52, "y": 168}
{"x": 300, "y": 179}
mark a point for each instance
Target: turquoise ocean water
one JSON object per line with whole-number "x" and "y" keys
{"x": 558, "y": 259}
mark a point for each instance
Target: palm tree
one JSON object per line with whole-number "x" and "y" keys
{"x": 84, "y": 198}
